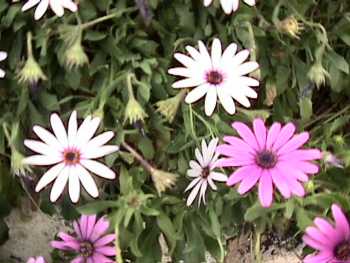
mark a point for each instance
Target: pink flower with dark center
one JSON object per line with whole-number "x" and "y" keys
{"x": 36, "y": 260}
{"x": 91, "y": 241}
{"x": 331, "y": 241}
{"x": 268, "y": 157}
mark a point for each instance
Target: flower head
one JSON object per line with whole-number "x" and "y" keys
{"x": 331, "y": 240}
{"x": 57, "y": 7}
{"x": 71, "y": 154}
{"x": 230, "y": 6}
{"x": 318, "y": 74}
{"x": 291, "y": 26}
{"x": 221, "y": 74}
{"x": 134, "y": 111}
{"x": 268, "y": 157}
{"x": 169, "y": 107}
{"x": 31, "y": 72}
{"x": 202, "y": 172}
{"x": 36, "y": 260}
{"x": 90, "y": 241}
{"x": 163, "y": 180}
{"x": 75, "y": 55}
{"x": 3, "y": 56}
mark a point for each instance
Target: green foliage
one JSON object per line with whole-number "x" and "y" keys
{"x": 305, "y": 80}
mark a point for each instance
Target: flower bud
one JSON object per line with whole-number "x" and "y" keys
{"x": 31, "y": 73}
{"x": 290, "y": 26}
{"x": 169, "y": 107}
{"x": 18, "y": 167}
{"x": 163, "y": 180}
{"x": 331, "y": 160}
{"x": 75, "y": 55}
{"x": 318, "y": 74}
{"x": 134, "y": 111}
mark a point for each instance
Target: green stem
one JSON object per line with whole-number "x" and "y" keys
{"x": 117, "y": 247}
{"x": 212, "y": 134}
{"x": 257, "y": 248}
{"x": 107, "y": 17}
{"x": 222, "y": 250}
{"x": 29, "y": 44}
{"x": 129, "y": 85}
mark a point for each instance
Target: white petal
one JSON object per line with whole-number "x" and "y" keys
{"x": 49, "y": 176}
{"x": 59, "y": 129}
{"x": 216, "y": 53}
{"x": 235, "y": 5}
{"x": 99, "y": 140}
{"x": 2, "y": 73}
{"x": 74, "y": 186}
{"x": 193, "y": 183}
{"x": 211, "y": 150}
{"x": 98, "y": 152}
{"x": 249, "y": 92}
{"x": 87, "y": 181}
{"x": 229, "y": 5}
{"x": 3, "y": 55}
{"x": 211, "y": 184}
{"x": 47, "y": 137}
{"x": 72, "y": 128}
{"x": 41, "y": 148}
{"x": 30, "y": 4}
{"x": 240, "y": 58}
{"x": 247, "y": 67}
{"x": 69, "y": 5}
{"x": 218, "y": 176}
{"x": 187, "y": 83}
{"x": 204, "y": 150}
{"x": 241, "y": 98}
{"x": 42, "y": 160}
{"x": 59, "y": 184}
{"x": 207, "y": 2}
{"x": 199, "y": 157}
{"x": 41, "y": 9}
{"x": 203, "y": 190}
{"x": 197, "y": 93}
{"x": 57, "y": 8}
{"x": 193, "y": 194}
{"x": 193, "y": 172}
{"x": 210, "y": 101}
{"x": 247, "y": 81}
{"x": 206, "y": 60}
{"x": 98, "y": 169}
{"x": 230, "y": 52}
{"x": 194, "y": 165}
{"x": 250, "y": 2}
{"x": 87, "y": 129}
{"x": 185, "y": 60}
{"x": 226, "y": 101}
{"x": 184, "y": 72}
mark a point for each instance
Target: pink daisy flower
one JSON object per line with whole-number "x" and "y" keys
{"x": 332, "y": 242}
{"x": 36, "y": 260}
{"x": 90, "y": 241}
{"x": 268, "y": 157}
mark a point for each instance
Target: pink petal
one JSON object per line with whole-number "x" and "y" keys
{"x": 292, "y": 170}
{"x": 83, "y": 222}
{"x": 239, "y": 144}
{"x": 301, "y": 155}
{"x": 294, "y": 143}
{"x": 97, "y": 258}
{"x": 246, "y": 134}
{"x": 65, "y": 245}
{"x": 249, "y": 181}
{"x": 315, "y": 234}
{"x": 90, "y": 225}
{"x": 232, "y": 151}
{"x": 265, "y": 189}
{"x": 341, "y": 223}
{"x": 280, "y": 183}
{"x": 105, "y": 240}
{"x": 66, "y": 237}
{"x": 228, "y": 162}
{"x": 77, "y": 229}
{"x": 260, "y": 132}
{"x": 106, "y": 250}
{"x": 272, "y": 134}
{"x": 327, "y": 230}
{"x": 324, "y": 256}
{"x": 240, "y": 174}
{"x": 101, "y": 228}
{"x": 314, "y": 243}
{"x": 284, "y": 136}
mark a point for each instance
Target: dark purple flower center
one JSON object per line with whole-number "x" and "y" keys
{"x": 86, "y": 249}
{"x": 71, "y": 157}
{"x": 266, "y": 159}
{"x": 342, "y": 251}
{"x": 214, "y": 77}
{"x": 205, "y": 172}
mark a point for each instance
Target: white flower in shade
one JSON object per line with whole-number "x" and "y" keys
{"x": 3, "y": 56}
{"x": 230, "y": 5}
{"x": 203, "y": 172}
{"x": 221, "y": 74}
{"x": 71, "y": 154}
{"x": 57, "y": 7}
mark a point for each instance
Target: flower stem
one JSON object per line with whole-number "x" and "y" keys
{"x": 257, "y": 247}
{"x": 149, "y": 168}
{"x": 129, "y": 85}
{"x": 107, "y": 17}
{"x": 29, "y": 44}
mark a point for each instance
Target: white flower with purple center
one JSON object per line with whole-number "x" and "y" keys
{"x": 219, "y": 75}
{"x": 57, "y": 7}
{"x": 71, "y": 155}
{"x": 230, "y": 6}
{"x": 202, "y": 172}
{"x": 3, "y": 56}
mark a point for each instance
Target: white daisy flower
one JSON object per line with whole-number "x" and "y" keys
{"x": 203, "y": 172}
{"x": 221, "y": 74}
{"x": 3, "y": 56}
{"x": 230, "y": 6}
{"x": 71, "y": 154}
{"x": 57, "y": 7}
